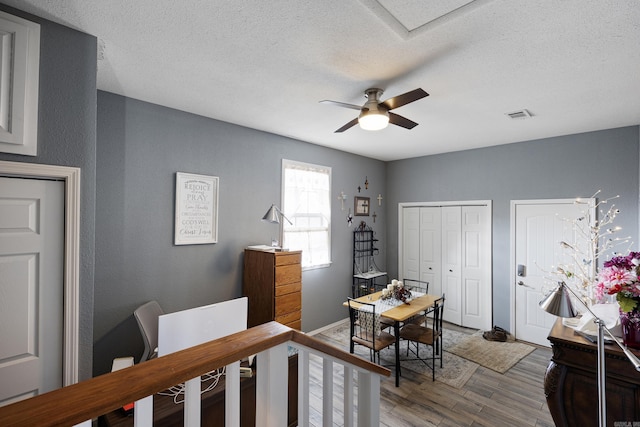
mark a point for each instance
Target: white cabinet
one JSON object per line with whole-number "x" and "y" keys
{"x": 450, "y": 247}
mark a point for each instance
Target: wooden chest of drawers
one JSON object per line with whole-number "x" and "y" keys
{"x": 273, "y": 283}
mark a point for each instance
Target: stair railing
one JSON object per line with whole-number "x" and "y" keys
{"x": 79, "y": 403}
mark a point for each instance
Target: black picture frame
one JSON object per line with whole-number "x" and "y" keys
{"x": 361, "y": 206}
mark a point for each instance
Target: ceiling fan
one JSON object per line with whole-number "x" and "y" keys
{"x": 375, "y": 115}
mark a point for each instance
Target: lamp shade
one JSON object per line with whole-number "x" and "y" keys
{"x": 558, "y": 302}
{"x": 272, "y": 215}
{"x": 373, "y": 120}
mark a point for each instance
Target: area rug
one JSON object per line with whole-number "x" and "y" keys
{"x": 495, "y": 355}
{"x": 456, "y": 370}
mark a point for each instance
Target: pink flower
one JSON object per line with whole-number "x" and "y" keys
{"x": 616, "y": 276}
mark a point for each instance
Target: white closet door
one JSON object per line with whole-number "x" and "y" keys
{"x": 451, "y": 264}
{"x": 476, "y": 277}
{"x": 410, "y": 243}
{"x": 430, "y": 248}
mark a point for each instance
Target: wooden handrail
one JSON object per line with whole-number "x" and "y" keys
{"x": 88, "y": 399}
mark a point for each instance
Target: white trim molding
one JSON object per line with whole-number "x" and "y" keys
{"x": 19, "y": 77}
{"x": 71, "y": 177}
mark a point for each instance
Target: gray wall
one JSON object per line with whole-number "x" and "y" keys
{"x": 67, "y": 137}
{"x": 140, "y": 148}
{"x": 563, "y": 167}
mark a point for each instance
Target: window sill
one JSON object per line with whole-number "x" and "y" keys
{"x": 315, "y": 267}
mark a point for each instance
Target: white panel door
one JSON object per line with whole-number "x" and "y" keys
{"x": 31, "y": 286}
{"x": 431, "y": 248}
{"x": 476, "y": 277}
{"x": 451, "y": 264}
{"x": 539, "y": 228}
{"x": 410, "y": 243}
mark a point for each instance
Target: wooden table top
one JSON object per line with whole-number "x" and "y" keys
{"x": 401, "y": 312}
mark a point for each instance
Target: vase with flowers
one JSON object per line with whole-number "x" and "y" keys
{"x": 620, "y": 277}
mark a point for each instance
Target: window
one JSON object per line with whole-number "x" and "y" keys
{"x": 307, "y": 203}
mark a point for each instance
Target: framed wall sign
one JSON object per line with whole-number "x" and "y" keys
{"x": 361, "y": 206}
{"x": 196, "y": 220}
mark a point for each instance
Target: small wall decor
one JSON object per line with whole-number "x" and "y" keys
{"x": 349, "y": 218}
{"x": 374, "y": 217}
{"x": 361, "y": 206}
{"x": 196, "y": 220}
{"x": 366, "y": 183}
{"x": 379, "y": 199}
{"x": 342, "y": 197}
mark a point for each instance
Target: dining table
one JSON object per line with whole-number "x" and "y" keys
{"x": 398, "y": 312}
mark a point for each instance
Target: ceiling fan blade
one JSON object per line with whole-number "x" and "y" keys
{"x": 341, "y": 104}
{"x": 351, "y": 124}
{"x": 401, "y": 121}
{"x": 404, "y": 99}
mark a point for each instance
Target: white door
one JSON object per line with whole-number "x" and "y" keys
{"x": 410, "y": 243}
{"x": 452, "y": 264}
{"x": 430, "y": 248}
{"x": 540, "y": 226}
{"x": 31, "y": 287}
{"x": 476, "y": 277}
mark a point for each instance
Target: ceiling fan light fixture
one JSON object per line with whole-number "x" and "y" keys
{"x": 373, "y": 120}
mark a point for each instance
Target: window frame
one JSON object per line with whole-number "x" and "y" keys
{"x": 286, "y": 163}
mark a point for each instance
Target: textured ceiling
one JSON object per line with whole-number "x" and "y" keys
{"x": 574, "y": 64}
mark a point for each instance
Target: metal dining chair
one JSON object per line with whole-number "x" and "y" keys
{"x": 429, "y": 336}
{"x": 365, "y": 329}
{"x": 417, "y": 286}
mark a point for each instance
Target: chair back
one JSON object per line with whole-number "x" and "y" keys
{"x": 365, "y": 321}
{"x": 437, "y": 310}
{"x": 147, "y": 317}
{"x": 416, "y": 285}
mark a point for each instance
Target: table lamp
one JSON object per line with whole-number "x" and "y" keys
{"x": 274, "y": 215}
{"x": 558, "y": 303}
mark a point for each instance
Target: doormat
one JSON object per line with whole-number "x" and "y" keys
{"x": 495, "y": 355}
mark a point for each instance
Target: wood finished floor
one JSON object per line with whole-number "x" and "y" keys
{"x": 489, "y": 399}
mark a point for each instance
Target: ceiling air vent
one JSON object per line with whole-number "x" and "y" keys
{"x": 521, "y": 114}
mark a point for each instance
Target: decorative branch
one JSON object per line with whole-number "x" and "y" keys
{"x": 600, "y": 241}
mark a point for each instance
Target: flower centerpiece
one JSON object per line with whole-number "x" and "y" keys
{"x": 620, "y": 277}
{"x": 396, "y": 290}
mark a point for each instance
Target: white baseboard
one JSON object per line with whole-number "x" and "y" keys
{"x": 324, "y": 328}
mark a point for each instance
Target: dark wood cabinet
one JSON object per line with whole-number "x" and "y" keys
{"x": 571, "y": 385}
{"x": 272, "y": 281}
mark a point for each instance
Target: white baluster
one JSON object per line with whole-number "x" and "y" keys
{"x": 327, "y": 392}
{"x": 143, "y": 412}
{"x": 348, "y": 396}
{"x": 232, "y": 395}
{"x": 303, "y": 388}
{"x": 368, "y": 399}
{"x": 271, "y": 387}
